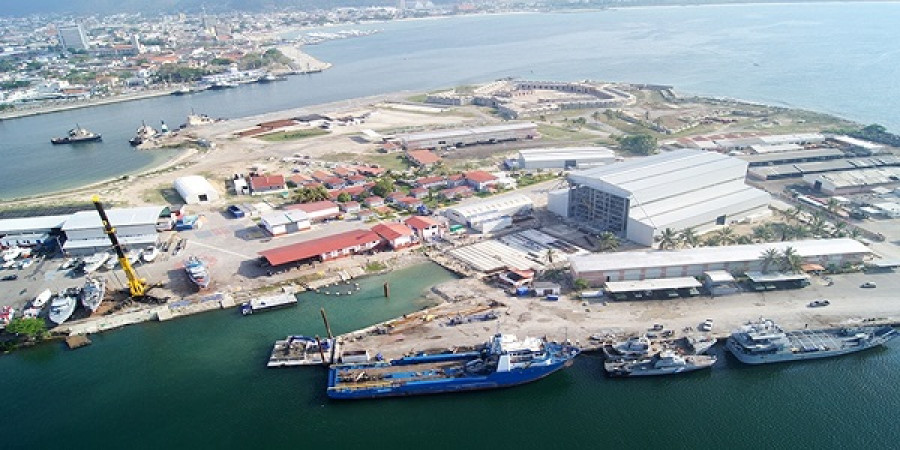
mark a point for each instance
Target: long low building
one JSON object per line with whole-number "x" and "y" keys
{"x": 601, "y": 268}
{"x": 565, "y": 157}
{"x": 29, "y": 231}
{"x": 480, "y": 215}
{"x": 135, "y": 228}
{"x": 459, "y": 137}
{"x": 323, "y": 249}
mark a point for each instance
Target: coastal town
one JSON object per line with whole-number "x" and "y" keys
{"x": 625, "y": 219}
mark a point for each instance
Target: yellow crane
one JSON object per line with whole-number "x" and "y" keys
{"x": 136, "y": 285}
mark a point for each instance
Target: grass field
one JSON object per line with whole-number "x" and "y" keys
{"x": 292, "y": 135}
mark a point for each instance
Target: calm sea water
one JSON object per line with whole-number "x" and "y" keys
{"x": 201, "y": 382}
{"x": 835, "y": 58}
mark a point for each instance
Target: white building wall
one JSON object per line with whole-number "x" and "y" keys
{"x": 558, "y": 202}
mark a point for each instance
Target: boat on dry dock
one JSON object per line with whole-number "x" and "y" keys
{"x": 93, "y": 293}
{"x": 504, "y": 361}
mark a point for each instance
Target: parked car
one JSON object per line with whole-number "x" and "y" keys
{"x": 706, "y": 325}
{"x": 236, "y": 211}
{"x": 818, "y": 303}
{"x": 868, "y": 284}
{"x": 657, "y": 327}
{"x": 9, "y": 277}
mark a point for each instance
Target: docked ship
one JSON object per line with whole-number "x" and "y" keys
{"x": 634, "y": 347}
{"x": 666, "y": 362}
{"x": 144, "y": 133}
{"x": 763, "y": 342}
{"x": 502, "y": 362}
{"x": 93, "y": 292}
{"x": 197, "y": 272}
{"x": 62, "y": 307}
{"x": 77, "y": 135}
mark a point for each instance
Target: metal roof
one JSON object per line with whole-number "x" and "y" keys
{"x": 278, "y": 218}
{"x": 652, "y": 284}
{"x": 565, "y": 153}
{"x": 118, "y": 217}
{"x": 499, "y": 203}
{"x": 515, "y": 126}
{"x": 316, "y": 247}
{"x": 793, "y": 156}
{"x": 31, "y": 224}
{"x": 710, "y": 255}
{"x": 769, "y": 277}
{"x": 138, "y": 241}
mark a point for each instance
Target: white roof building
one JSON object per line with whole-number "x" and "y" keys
{"x": 565, "y": 157}
{"x": 681, "y": 189}
{"x": 195, "y": 189}
{"x": 621, "y": 266}
{"x": 135, "y": 227}
{"x": 472, "y": 214}
{"x": 284, "y": 222}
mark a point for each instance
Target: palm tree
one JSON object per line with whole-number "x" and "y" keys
{"x": 667, "y": 239}
{"x": 713, "y": 240}
{"x": 817, "y": 225}
{"x": 769, "y": 257}
{"x": 797, "y": 232}
{"x": 790, "y": 260}
{"x": 608, "y": 241}
{"x": 762, "y": 233}
{"x": 726, "y": 235}
{"x": 833, "y": 205}
{"x": 840, "y": 229}
{"x": 688, "y": 237}
{"x": 550, "y": 255}
{"x": 743, "y": 240}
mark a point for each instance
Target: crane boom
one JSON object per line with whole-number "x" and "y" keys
{"x": 136, "y": 285}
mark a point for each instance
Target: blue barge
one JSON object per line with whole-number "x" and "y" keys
{"x": 502, "y": 362}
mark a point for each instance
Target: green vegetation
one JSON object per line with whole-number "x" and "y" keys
{"x": 31, "y": 328}
{"x": 344, "y": 197}
{"x": 310, "y": 194}
{"x": 292, "y": 135}
{"x": 179, "y": 74}
{"x": 269, "y": 57}
{"x": 80, "y": 77}
{"x": 554, "y": 133}
{"x": 420, "y": 98}
{"x": 638, "y": 144}
{"x": 375, "y": 266}
{"x": 384, "y": 186}
{"x": 14, "y": 84}
{"x": 581, "y": 284}
{"x": 874, "y": 133}
{"x": 528, "y": 179}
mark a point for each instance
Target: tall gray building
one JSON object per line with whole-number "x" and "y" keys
{"x": 73, "y": 36}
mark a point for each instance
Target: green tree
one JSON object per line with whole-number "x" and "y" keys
{"x": 638, "y": 144}
{"x": 384, "y": 186}
{"x": 688, "y": 237}
{"x": 29, "y": 327}
{"x": 770, "y": 257}
{"x": 581, "y": 284}
{"x": 762, "y": 233}
{"x": 667, "y": 239}
{"x": 608, "y": 241}
{"x": 790, "y": 260}
{"x": 343, "y": 197}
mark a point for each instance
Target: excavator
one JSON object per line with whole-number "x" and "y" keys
{"x": 137, "y": 286}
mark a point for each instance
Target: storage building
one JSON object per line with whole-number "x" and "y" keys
{"x": 195, "y": 189}
{"x": 285, "y": 222}
{"x": 485, "y": 214}
{"x": 323, "y": 249}
{"x": 29, "y": 231}
{"x": 565, "y": 158}
{"x": 135, "y": 228}
{"x": 640, "y": 198}
{"x": 459, "y": 137}
{"x": 694, "y": 262}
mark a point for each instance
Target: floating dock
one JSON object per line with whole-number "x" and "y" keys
{"x": 303, "y": 351}
{"x": 269, "y": 302}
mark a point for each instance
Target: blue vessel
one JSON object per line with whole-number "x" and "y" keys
{"x": 502, "y": 362}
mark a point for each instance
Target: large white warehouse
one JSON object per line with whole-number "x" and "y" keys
{"x": 195, "y": 189}
{"x": 135, "y": 228}
{"x": 565, "y": 158}
{"x": 492, "y": 213}
{"x": 640, "y": 198}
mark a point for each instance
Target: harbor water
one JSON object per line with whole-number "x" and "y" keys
{"x": 831, "y": 57}
{"x": 201, "y": 382}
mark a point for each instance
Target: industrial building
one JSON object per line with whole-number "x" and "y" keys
{"x": 73, "y": 37}
{"x": 640, "y": 198}
{"x": 564, "y": 158}
{"x": 284, "y": 222}
{"x": 797, "y": 170}
{"x": 30, "y": 231}
{"x": 135, "y": 228}
{"x": 195, "y": 189}
{"x": 600, "y": 268}
{"x": 460, "y": 137}
{"x": 854, "y": 181}
{"x": 323, "y": 249}
{"x": 492, "y": 213}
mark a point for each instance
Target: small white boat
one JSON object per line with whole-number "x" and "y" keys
{"x": 150, "y": 253}
{"x": 95, "y": 261}
{"x": 11, "y": 253}
{"x": 111, "y": 263}
{"x": 62, "y": 307}
{"x": 133, "y": 256}
{"x": 93, "y": 292}
{"x": 42, "y": 299}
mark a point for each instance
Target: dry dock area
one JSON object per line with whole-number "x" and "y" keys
{"x": 578, "y": 320}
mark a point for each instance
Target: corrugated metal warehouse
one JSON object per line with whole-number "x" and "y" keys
{"x": 458, "y": 137}
{"x": 640, "y": 198}
{"x": 623, "y": 266}
{"x": 135, "y": 228}
{"x": 565, "y": 157}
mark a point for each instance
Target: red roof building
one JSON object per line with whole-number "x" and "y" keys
{"x": 431, "y": 182}
{"x": 370, "y": 171}
{"x": 425, "y": 227}
{"x": 318, "y": 211}
{"x": 480, "y": 180}
{"x": 418, "y": 192}
{"x": 423, "y": 158}
{"x": 457, "y": 192}
{"x": 396, "y": 234}
{"x": 267, "y": 184}
{"x": 374, "y": 201}
{"x": 321, "y": 175}
{"x": 323, "y": 249}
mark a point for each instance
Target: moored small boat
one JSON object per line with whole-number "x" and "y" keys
{"x": 150, "y": 253}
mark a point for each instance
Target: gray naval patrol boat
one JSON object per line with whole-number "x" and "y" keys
{"x": 763, "y": 342}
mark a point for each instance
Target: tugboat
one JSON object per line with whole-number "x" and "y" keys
{"x": 143, "y": 133}
{"x": 77, "y": 135}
